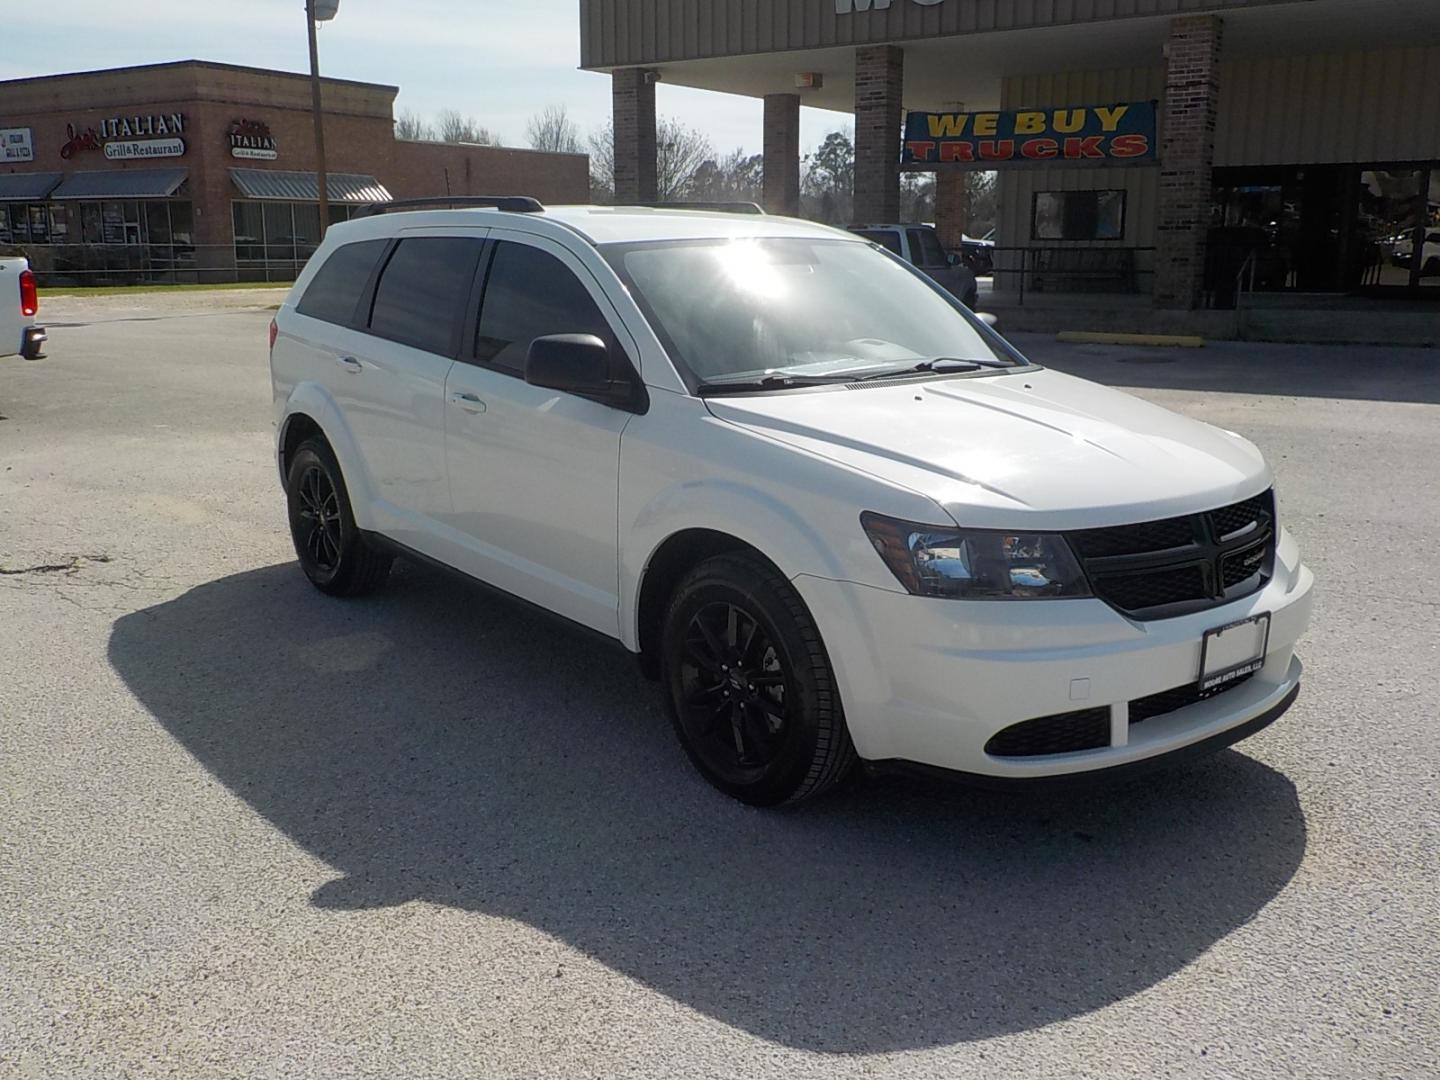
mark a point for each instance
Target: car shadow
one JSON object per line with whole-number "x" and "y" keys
{"x": 436, "y": 743}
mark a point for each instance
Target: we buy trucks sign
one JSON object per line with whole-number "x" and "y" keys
{"x": 1094, "y": 134}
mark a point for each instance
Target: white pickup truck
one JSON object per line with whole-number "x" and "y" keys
{"x": 19, "y": 304}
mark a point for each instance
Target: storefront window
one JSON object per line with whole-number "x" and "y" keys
{"x": 182, "y": 223}
{"x": 1427, "y": 265}
{"x": 1387, "y": 214}
{"x": 1079, "y": 215}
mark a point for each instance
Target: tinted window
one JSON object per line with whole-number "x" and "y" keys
{"x": 336, "y": 289}
{"x": 420, "y": 300}
{"x": 886, "y": 238}
{"x": 925, "y": 248}
{"x": 530, "y": 294}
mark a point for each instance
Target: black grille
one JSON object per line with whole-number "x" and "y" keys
{"x": 1232, "y": 519}
{"x": 1243, "y": 564}
{"x": 1158, "y": 569}
{"x": 1168, "y": 701}
{"x": 1086, "y": 729}
{"x": 1134, "y": 539}
{"x": 1135, "y": 592}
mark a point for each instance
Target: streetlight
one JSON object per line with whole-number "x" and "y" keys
{"x": 319, "y": 11}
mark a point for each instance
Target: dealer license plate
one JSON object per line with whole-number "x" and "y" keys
{"x": 1233, "y": 652}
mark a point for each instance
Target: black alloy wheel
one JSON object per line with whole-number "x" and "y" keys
{"x": 335, "y": 555}
{"x": 752, "y": 692}
{"x": 320, "y": 518}
{"x": 733, "y": 686}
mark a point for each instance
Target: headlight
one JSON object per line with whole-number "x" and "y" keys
{"x": 976, "y": 564}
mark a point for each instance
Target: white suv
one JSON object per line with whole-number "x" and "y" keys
{"x": 829, "y": 508}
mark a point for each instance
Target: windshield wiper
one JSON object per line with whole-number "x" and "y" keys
{"x": 940, "y": 365}
{"x": 768, "y": 382}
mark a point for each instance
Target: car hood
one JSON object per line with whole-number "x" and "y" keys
{"x": 1035, "y": 449}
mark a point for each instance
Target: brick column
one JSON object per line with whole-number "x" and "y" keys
{"x": 782, "y": 154}
{"x": 1187, "y": 155}
{"x": 879, "y": 88}
{"x": 952, "y": 201}
{"x": 633, "y": 93}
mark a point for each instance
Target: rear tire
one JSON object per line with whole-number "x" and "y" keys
{"x": 752, "y": 693}
{"x": 336, "y": 556}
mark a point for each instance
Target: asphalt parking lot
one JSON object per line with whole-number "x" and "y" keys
{"x": 249, "y": 831}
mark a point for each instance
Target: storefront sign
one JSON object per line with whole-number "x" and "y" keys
{"x": 251, "y": 140}
{"x": 127, "y": 137}
{"x": 144, "y": 148}
{"x": 16, "y": 145}
{"x": 1104, "y": 134}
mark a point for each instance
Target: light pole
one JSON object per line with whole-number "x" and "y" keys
{"x": 319, "y": 11}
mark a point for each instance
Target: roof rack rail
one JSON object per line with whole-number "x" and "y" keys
{"x": 723, "y": 207}
{"x": 515, "y": 204}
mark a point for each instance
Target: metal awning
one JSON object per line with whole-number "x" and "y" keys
{"x": 25, "y": 187}
{"x": 121, "y": 184}
{"x": 305, "y": 186}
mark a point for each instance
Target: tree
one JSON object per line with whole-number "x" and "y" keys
{"x": 452, "y": 127}
{"x": 827, "y": 185}
{"x": 412, "y": 127}
{"x": 679, "y": 153}
{"x": 733, "y": 178}
{"x": 553, "y": 130}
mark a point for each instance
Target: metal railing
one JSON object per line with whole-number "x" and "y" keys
{"x": 60, "y": 265}
{"x": 1073, "y": 268}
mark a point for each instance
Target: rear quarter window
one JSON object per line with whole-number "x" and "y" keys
{"x": 334, "y": 293}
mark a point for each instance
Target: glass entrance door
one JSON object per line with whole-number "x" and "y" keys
{"x": 1390, "y": 210}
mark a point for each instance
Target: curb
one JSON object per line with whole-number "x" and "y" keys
{"x": 1084, "y": 337}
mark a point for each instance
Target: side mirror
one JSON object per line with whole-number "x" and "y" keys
{"x": 575, "y": 363}
{"x": 954, "y": 260}
{"x": 989, "y": 320}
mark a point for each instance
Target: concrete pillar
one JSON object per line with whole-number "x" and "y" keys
{"x": 952, "y": 205}
{"x": 782, "y": 154}
{"x": 1187, "y": 156}
{"x": 633, "y": 94}
{"x": 879, "y": 89}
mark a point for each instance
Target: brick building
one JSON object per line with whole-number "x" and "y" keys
{"x": 202, "y": 171}
{"x": 1269, "y": 149}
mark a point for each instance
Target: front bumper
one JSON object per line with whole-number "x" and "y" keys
{"x": 32, "y": 340}
{"x": 930, "y": 681}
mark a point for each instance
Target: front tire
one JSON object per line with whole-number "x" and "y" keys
{"x": 333, "y": 552}
{"x": 752, "y": 693}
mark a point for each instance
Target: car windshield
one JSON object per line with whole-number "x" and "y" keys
{"x": 743, "y": 310}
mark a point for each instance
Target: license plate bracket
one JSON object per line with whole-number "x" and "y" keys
{"x": 1233, "y": 651}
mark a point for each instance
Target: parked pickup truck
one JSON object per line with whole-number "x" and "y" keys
{"x": 920, "y": 246}
{"x": 19, "y": 304}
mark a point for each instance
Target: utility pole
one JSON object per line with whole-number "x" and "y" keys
{"x": 320, "y": 171}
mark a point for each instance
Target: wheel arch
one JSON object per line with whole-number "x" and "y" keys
{"x": 676, "y": 556}
{"x": 310, "y": 412}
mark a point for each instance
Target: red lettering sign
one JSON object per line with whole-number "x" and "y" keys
{"x": 1088, "y": 147}
{"x": 77, "y": 141}
{"x": 920, "y": 151}
{"x": 1127, "y": 146}
{"x": 1039, "y": 148}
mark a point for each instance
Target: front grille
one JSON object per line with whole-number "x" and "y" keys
{"x": 1085, "y": 729}
{"x": 1168, "y": 701}
{"x": 1135, "y": 592}
{"x": 1158, "y": 569}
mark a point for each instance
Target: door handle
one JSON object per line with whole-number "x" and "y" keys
{"x": 468, "y": 401}
{"x": 350, "y": 364}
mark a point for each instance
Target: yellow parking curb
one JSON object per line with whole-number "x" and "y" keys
{"x": 1085, "y": 337}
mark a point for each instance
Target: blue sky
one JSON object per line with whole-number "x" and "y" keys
{"x": 498, "y": 60}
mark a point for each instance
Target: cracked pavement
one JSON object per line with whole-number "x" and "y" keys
{"x": 249, "y": 831}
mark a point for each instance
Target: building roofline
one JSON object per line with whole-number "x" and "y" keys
{"x": 207, "y": 64}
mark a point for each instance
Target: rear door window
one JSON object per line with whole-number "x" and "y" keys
{"x": 421, "y": 298}
{"x": 889, "y": 239}
{"x": 334, "y": 293}
{"x": 925, "y": 248}
{"x": 530, "y": 293}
